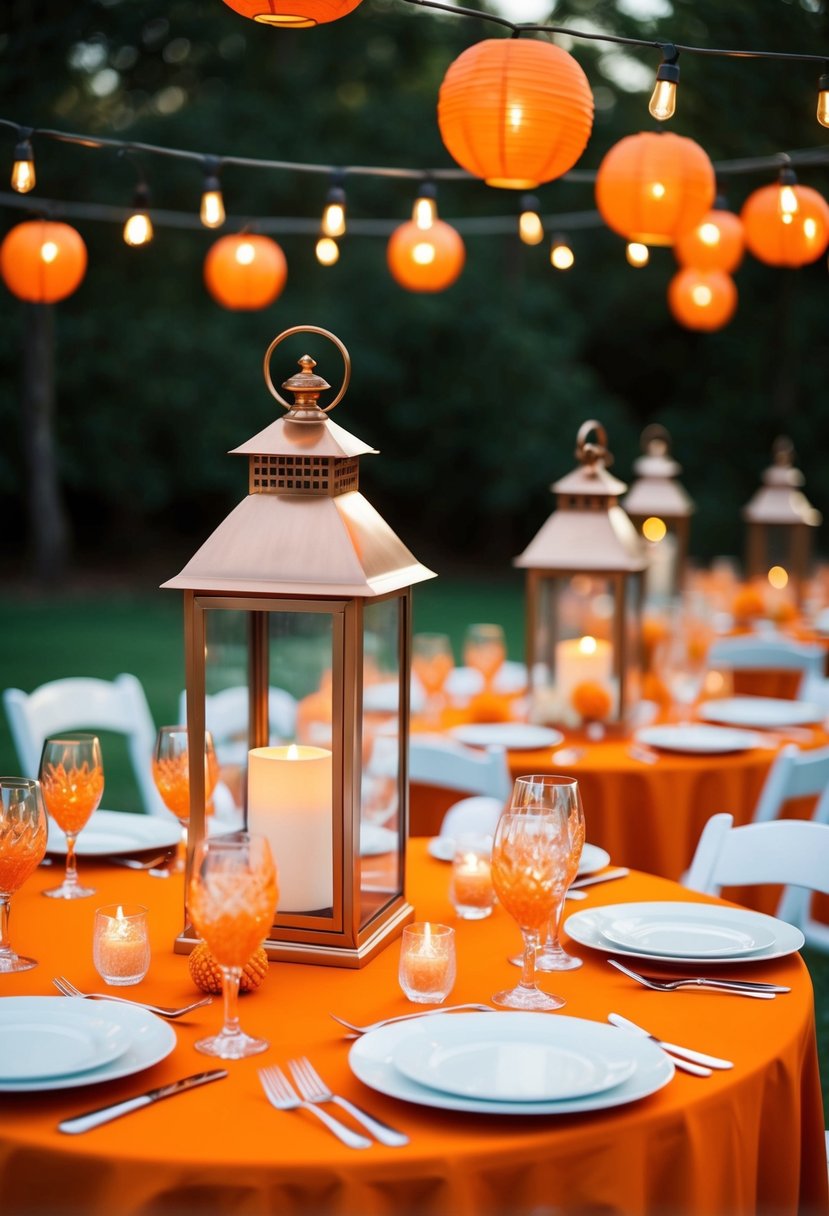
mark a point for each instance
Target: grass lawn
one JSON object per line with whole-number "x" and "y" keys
{"x": 45, "y": 638}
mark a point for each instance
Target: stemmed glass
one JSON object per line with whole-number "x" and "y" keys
{"x": 171, "y": 773}
{"x": 23, "y": 831}
{"x": 72, "y": 783}
{"x": 530, "y": 864}
{"x": 232, "y": 899}
{"x": 485, "y": 650}
{"x": 432, "y": 661}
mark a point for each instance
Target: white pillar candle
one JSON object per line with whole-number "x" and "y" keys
{"x": 580, "y": 659}
{"x": 290, "y": 801}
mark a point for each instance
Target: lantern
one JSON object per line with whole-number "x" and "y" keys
{"x": 515, "y": 112}
{"x": 715, "y": 243}
{"x": 425, "y": 259}
{"x": 786, "y": 238}
{"x": 584, "y": 593}
{"x": 293, "y": 14}
{"x": 654, "y": 186}
{"x": 42, "y": 261}
{"x": 661, "y": 509}
{"x": 702, "y": 299}
{"x": 305, "y": 589}
{"x": 780, "y": 522}
{"x": 245, "y": 271}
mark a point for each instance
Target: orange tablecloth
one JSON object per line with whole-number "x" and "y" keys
{"x": 739, "y": 1142}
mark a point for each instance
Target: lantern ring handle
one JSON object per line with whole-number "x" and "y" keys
{"x": 306, "y": 329}
{"x": 589, "y": 453}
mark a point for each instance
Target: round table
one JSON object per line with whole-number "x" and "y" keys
{"x": 745, "y": 1141}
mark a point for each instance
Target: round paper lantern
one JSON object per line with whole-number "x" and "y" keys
{"x": 715, "y": 243}
{"x": 779, "y": 242}
{"x": 428, "y": 259}
{"x": 702, "y": 299}
{"x": 293, "y": 14}
{"x": 515, "y": 112}
{"x": 653, "y": 187}
{"x": 245, "y": 272}
{"x": 42, "y": 261}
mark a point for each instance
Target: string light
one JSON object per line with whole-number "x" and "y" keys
{"x": 823, "y": 99}
{"x": 23, "y": 170}
{"x": 333, "y": 217}
{"x": 327, "y": 251}
{"x": 425, "y": 210}
{"x": 212, "y": 209}
{"x": 138, "y": 229}
{"x": 662, "y": 104}
{"x": 530, "y": 227}
{"x": 787, "y": 198}
{"x": 561, "y": 255}
{"x": 637, "y": 254}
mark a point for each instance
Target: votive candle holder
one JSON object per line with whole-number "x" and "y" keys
{"x": 470, "y": 887}
{"x": 427, "y": 962}
{"x": 121, "y": 944}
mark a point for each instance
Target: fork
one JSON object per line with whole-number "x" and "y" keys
{"x": 763, "y": 992}
{"x": 312, "y": 1087}
{"x": 405, "y": 1017}
{"x": 132, "y": 863}
{"x": 66, "y": 989}
{"x": 281, "y": 1094}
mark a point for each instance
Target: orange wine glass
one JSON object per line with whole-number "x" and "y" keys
{"x": 485, "y": 650}
{"x": 72, "y": 784}
{"x": 23, "y": 831}
{"x": 171, "y": 773}
{"x": 432, "y": 662}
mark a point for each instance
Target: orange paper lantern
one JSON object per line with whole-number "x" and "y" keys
{"x": 715, "y": 243}
{"x": 428, "y": 259}
{"x": 780, "y": 242}
{"x": 293, "y": 14}
{"x": 42, "y": 262}
{"x": 654, "y": 186}
{"x": 245, "y": 272}
{"x": 702, "y": 299}
{"x": 515, "y": 112}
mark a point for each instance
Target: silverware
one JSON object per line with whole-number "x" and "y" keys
{"x": 685, "y": 1053}
{"x": 405, "y": 1017}
{"x": 281, "y": 1094}
{"x": 66, "y": 989}
{"x": 592, "y": 879}
{"x": 132, "y": 863}
{"x": 567, "y": 755}
{"x": 645, "y": 755}
{"x": 765, "y": 992}
{"x": 312, "y": 1087}
{"x": 103, "y": 1114}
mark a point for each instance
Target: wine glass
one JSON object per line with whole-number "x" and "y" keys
{"x": 232, "y": 899}
{"x": 485, "y": 650}
{"x": 530, "y": 865}
{"x": 171, "y": 773}
{"x": 681, "y": 663}
{"x": 23, "y": 831}
{"x": 432, "y": 661}
{"x": 72, "y": 783}
{"x": 563, "y": 791}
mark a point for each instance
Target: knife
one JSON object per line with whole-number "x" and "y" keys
{"x": 103, "y": 1114}
{"x": 683, "y": 1053}
{"x": 589, "y": 881}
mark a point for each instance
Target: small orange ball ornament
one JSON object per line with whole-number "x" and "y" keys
{"x": 293, "y": 14}
{"x": 207, "y": 974}
{"x": 702, "y": 299}
{"x": 591, "y": 701}
{"x": 783, "y": 239}
{"x": 245, "y": 272}
{"x": 715, "y": 243}
{"x": 42, "y": 261}
{"x": 428, "y": 259}
{"x": 748, "y": 604}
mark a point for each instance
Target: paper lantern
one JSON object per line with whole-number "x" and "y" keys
{"x": 702, "y": 299}
{"x": 715, "y": 243}
{"x": 653, "y": 187}
{"x": 245, "y": 272}
{"x": 782, "y": 238}
{"x": 515, "y": 112}
{"x": 42, "y": 262}
{"x": 428, "y": 259}
{"x": 293, "y": 14}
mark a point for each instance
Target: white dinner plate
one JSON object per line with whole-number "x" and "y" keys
{"x": 372, "y": 1060}
{"x": 593, "y": 859}
{"x": 588, "y": 928}
{"x": 151, "y": 1040}
{"x": 546, "y": 1064}
{"x": 679, "y": 932}
{"x": 376, "y": 840}
{"x": 54, "y": 1043}
{"x": 761, "y": 711}
{"x": 517, "y": 736}
{"x": 697, "y": 737}
{"x": 109, "y": 833}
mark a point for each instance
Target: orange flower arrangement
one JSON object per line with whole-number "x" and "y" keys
{"x": 784, "y": 612}
{"x": 490, "y": 707}
{"x": 748, "y": 604}
{"x": 592, "y": 700}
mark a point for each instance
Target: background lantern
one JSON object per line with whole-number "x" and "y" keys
{"x": 429, "y": 259}
{"x": 661, "y": 509}
{"x": 42, "y": 261}
{"x": 780, "y": 522}
{"x": 516, "y": 112}
{"x": 303, "y": 594}
{"x": 781, "y": 238}
{"x": 584, "y": 593}
{"x": 245, "y": 271}
{"x": 293, "y": 14}
{"x": 715, "y": 243}
{"x": 654, "y": 186}
{"x": 702, "y": 299}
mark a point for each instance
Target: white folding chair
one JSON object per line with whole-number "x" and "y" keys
{"x": 769, "y": 652}
{"x": 434, "y": 760}
{"x": 75, "y": 703}
{"x": 226, "y": 717}
{"x": 794, "y": 774}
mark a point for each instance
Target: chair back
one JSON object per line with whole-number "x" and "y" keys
{"x": 794, "y": 774}
{"x": 434, "y": 760}
{"x": 770, "y": 652}
{"x": 226, "y": 717}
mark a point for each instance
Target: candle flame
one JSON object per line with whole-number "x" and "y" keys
{"x": 427, "y": 936}
{"x": 587, "y": 645}
{"x": 119, "y": 915}
{"x": 293, "y": 752}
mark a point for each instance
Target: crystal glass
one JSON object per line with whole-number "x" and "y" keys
{"x": 72, "y": 784}
{"x": 427, "y": 962}
{"x": 23, "y": 830}
{"x": 432, "y": 661}
{"x": 121, "y": 944}
{"x": 565, "y": 792}
{"x": 171, "y": 773}
{"x": 484, "y": 649}
{"x": 681, "y": 664}
{"x": 530, "y": 865}
{"x": 232, "y": 900}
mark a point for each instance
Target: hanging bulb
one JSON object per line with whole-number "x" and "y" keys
{"x": 328, "y": 251}
{"x": 138, "y": 230}
{"x": 333, "y": 217}
{"x": 530, "y": 227}
{"x": 425, "y": 210}
{"x": 662, "y": 104}
{"x": 823, "y": 100}
{"x": 561, "y": 255}
{"x": 787, "y": 199}
{"x": 637, "y": 254}
{"x": 23, "y": 169}
{"x": 212, "y": 210}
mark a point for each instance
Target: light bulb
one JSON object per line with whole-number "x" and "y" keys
{"x": 662, "y": 104}
{"x": 637, "y": 254}
{"x": 561, "y": 255}
{"x": 212, "y": 209}
{"x": 654, "y": 529}
{"x": 530, "y": 227}
{"x": 23, "y": 169}
{"x": 48, "y": 252}
{"x": 823, "y": 100}
{"x": 425, "y": 210}
{"x": 245, "y": 254}
{"x": 709, "y": 234}
{"x": 333, "y": 217}
{"x": 423, "y": 253}
{"x": 787, "y": 199}
{"x": 328, "y": 251}
{"x": 702, "y": 295}
{"x": 138, "y": 230}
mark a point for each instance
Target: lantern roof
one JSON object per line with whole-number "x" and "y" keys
{"x": 657, "y": 492}
{"x": 779, "y": 499}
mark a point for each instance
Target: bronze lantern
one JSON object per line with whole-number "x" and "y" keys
{"x": 584, "y": 594}
{"x": 661, "y": 509}
{"x": 300, "y": 602}
{"x": 779, "y": 524}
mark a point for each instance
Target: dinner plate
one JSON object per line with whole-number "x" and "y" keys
{"x": 673, "y": 932}
{"x": 588, "y": 928}
{"x": 151, "y": 1040}
{"x": 697, "y": 737}
{"x": 372, "y": 1060}
{"x": 593, "y": 859}
{"x": 541, "y": 1064}
{"x": 110, "y": 833}
{"x": 376, "y": 840}
{"x": 54, "y": 1043}
{"x": 517, "y": 736}
{"x": 761, "y": 711}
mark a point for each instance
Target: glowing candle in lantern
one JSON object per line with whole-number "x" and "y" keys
{"x": 579, "y": 660}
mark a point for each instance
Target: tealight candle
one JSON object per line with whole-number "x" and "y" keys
{"x": 471, "y": 890}
{"x": 427, "y": 962}
{"x": 121, "y": 944}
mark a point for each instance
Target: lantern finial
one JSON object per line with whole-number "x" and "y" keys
{"x": 593, "y": 454}
{"x": 305, "y": 385}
